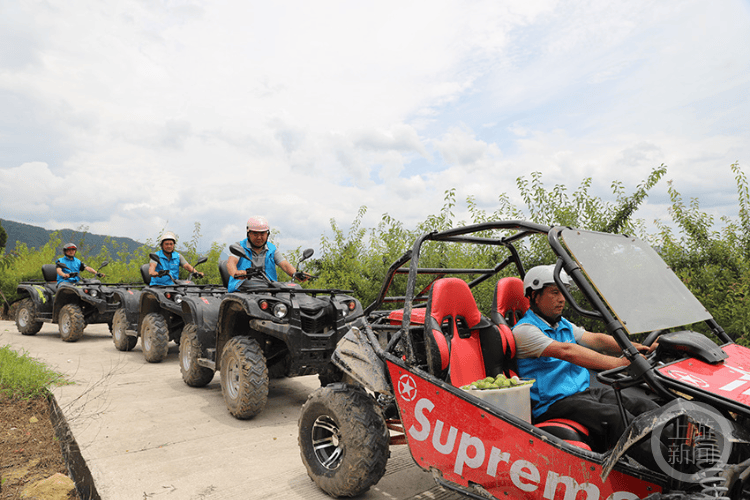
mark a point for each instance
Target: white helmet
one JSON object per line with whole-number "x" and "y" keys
{"x": 168, "y": 235}
{"x": 540, "y": 276}
{"x": 257, "y": 223}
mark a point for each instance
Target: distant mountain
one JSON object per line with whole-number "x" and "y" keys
{"x": 37, "y": 237}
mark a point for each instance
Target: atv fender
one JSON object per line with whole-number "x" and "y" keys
{"x": 655, "y": 420}
{"x": 203, "y": 312}
{"x": 130, "y": 300}
{"x": 65, "y": 295}
{"x": 39, "y": 294}
{"x": 149, "y": 302}
{"x": 356, "y": 357}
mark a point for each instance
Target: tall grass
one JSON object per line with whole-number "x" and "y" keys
{"x": 24, "y": 377}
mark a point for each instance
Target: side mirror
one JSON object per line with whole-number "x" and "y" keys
{"x": 238, "y": 251}
{"x": 307, "y": 253}
{"x": 154, "y": 257}
{"x": 104, "y": 264}
{"x": 201, "y": 260}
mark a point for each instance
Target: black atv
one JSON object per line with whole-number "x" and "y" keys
{"x": 269, "y": 329}
{"x": 71, "y": 305}
{"x": 163, "y": 314}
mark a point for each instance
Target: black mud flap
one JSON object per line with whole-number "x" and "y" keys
{"x": 356, "y": 357}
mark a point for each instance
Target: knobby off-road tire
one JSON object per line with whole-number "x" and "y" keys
{"x": 25, "y": 318}
{"x": 71, "y": 323}
{"x": 244, "y": 377}
{"x": 193, "y": 374}
{"x": 123, "y": 341}
{"x": 343, "y": 440}
{"x": 154, "y": 337}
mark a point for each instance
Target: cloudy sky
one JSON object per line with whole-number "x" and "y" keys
{"x": 131, "y": 116}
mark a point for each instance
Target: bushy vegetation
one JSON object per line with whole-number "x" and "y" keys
{"x": 711, "y": 257}
{"x": 23, "y": 377}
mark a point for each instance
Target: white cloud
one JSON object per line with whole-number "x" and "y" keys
{"x": 141, "y": 115}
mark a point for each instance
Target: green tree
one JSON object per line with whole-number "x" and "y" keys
{"x": 3, "y": 238}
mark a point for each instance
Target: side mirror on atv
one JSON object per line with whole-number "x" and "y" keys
{"x": 306, "y": 254}
{"x": 238, "y": 251}
{"x": 154, "y": 257}
{"x": 104, "y": 264}
{"x": 201, "y": 261}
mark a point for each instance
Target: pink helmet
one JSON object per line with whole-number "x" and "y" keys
{"x": 257, "y": 223}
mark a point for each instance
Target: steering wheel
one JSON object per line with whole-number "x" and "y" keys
{"x": 651, "y": 337}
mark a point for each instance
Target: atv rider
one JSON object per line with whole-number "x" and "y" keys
{"x": 169, "y": 261}
{"x": 264, "y": 255}
{"x": 70, "y": 264}
{"x": 558, "y": 354}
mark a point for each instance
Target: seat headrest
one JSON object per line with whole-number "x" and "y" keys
{"x": 453, "y": 297}
{"x": 224, "y": 273}
{"x": 49, "y": 272}
{"x": 144, "y": 274}
{"x": 509, "y": 302}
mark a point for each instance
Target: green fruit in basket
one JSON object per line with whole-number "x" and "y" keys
{"x": 502, "y": 383}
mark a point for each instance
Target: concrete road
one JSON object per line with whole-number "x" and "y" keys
{"x": 144, "y": 434}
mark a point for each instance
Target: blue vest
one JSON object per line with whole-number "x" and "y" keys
{"x": 172, "y": 265}
{"x": 555, "y": 379}
{"x": 73, "y": 265}
{"x": 269, "y": 265}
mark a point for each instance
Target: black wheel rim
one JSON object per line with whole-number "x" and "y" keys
{"x": 326, "y": 442}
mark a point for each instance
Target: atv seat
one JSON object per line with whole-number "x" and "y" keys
{"x": 508, "y": 306}
{"x": 49, "y": 273}
{"x": 144, "y": 274}
{"x": 462, "y": 345}
{"x": 224, "y": 273}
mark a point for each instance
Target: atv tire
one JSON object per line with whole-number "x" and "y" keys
{"x": 244, "y": 377}
{"x": 154, "y": 337}
{"x": 193, "y": 374}
{"x": 71, "y": 323}
{"x": 25, "y": 318}
{"x": 123, "y": 341}
{"x": 343, "y": 440}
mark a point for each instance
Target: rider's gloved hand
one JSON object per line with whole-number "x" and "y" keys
{"x": 198, "y": 273}
{"x": 161, "y": 273}
{"x": 100, "y": 275}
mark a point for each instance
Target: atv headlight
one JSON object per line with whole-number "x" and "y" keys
{"x": 177, "y": 298}
{"x": 93, "y": 293}
{"x": 280, "y": 310}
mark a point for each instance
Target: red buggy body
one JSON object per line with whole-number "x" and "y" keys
{"x": 405, "y": 365}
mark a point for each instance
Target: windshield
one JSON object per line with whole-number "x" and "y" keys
{"x": 637, "y": 285}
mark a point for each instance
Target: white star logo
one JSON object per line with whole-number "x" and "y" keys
{"x": 688, "y": 378}
{"x": 407, "y": 387}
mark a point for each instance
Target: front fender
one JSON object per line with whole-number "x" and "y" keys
{"x": 148, "y": 302}
{"x": 129, "y": 300}
{"x": 654, "y": 421}
{"x": 356, "y": 357}
{"x": 203, "y": 312}
{"x": 65, "y": 295}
